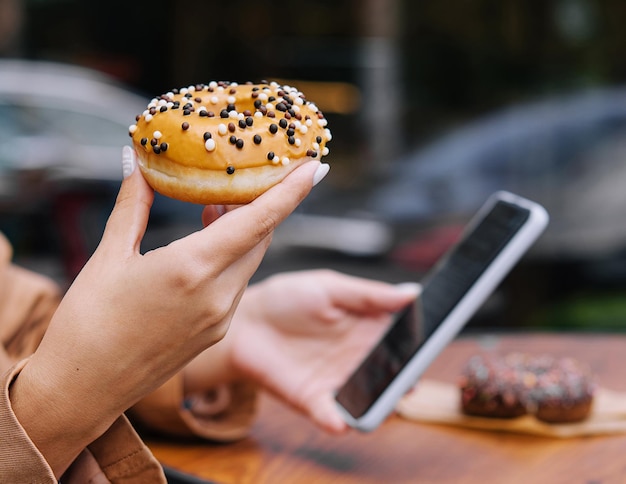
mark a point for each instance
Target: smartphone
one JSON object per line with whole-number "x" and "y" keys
{"x": 494, "y": 240}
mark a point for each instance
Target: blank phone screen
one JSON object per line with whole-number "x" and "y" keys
{"x": 442, "y": 289}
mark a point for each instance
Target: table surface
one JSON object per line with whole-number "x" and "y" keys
{"x": 285, "y": 447}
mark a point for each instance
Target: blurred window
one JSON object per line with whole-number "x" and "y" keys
{"x": 82, "y": 128}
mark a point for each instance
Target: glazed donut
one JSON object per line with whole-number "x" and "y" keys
{"x": 554, "y": 390}
{"x": 224, "y": 142}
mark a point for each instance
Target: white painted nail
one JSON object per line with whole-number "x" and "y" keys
{"x": 412, "y": 288}
{"x": 320, "y": 173}
{"x": 129, "y": 161}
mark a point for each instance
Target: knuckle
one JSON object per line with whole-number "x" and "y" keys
{"x": 268, "y": 222}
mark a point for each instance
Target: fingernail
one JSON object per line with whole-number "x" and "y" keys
{"x": 320, "y": 173}
{"x": 410, "y": 288}
{"x": 129, "y": 162}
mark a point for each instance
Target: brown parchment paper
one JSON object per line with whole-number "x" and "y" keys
{"x": 439, "y": 402}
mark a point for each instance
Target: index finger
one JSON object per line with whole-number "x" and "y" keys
{"x": 240, "y": 230}
{"x": 370, "y": 296}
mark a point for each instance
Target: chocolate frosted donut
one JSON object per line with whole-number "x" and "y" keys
{"x": 225, "y": 143}
{"x": 554, "y": 390}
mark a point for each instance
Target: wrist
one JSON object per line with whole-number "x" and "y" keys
{"x": 46, "y": 410}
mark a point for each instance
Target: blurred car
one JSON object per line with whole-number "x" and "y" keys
{"x": 567, "y": 153}
{"x": 65, "y": 120}
{"x": 62, "y": 128}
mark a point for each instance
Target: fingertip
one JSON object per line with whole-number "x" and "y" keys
{"x": 327, "y": 416}
{"x": 210, "y": 213}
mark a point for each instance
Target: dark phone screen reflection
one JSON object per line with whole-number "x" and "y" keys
{"x": 442, "y": 289}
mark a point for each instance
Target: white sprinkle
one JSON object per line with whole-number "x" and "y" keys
{"x": 233, "y": 114}
{"x": 170, "y": 105}
{"x": 309, "y": 122}
{"x": 148, "y": 118}
{"x": 325, "y": 151}
{"x": 274, "y": 84}
{"x": 313, "y": 107}
{"x": 303, "y": 129}
{"x": 263, "y": 96}
{"x": 298, "y": 101}
{"x": 209, "y": 144}
{"x": 285, "y": 161}
{"x": 231, "y": 99}
{"x": 132, "y": 128}
{"x": 220, "y": 88}
{"x": 276, "y": 160}
{"x": 153, "y": 104}
{"x": 184, "y": 91}
{"x": 315, "y": 146}
{"x": 214, "y": 100}
{"x": 298, "y": 142}
{"x": 328, "y": 134}
{"x": 202, "y": 108}
{"x": 222, "y": 129}
{"x": 258, "y": 114}
{"x": 157, "y": 135}
{"x": 296, "y": 108}
{"x": 322, "y": 122}
{"x": 213, "y": 84}
{"x": 269, "y": 106}
{"x": 170, "y": 95}
{"x": 145, "y": 113}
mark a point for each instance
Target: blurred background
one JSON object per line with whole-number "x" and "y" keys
{"x": 433, "y": 105}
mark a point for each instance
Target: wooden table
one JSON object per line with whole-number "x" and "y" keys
{"x": 284, "y": 447}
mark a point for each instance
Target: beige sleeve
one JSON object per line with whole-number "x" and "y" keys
{"x": 224, "y": 414}
{"x": 20, "y": 460}
{"x": 27, "y": 303}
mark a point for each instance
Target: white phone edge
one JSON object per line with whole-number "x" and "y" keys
{"x": 462, "y": 312}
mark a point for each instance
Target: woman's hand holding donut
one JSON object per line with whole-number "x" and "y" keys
{"x": 130, "y": 321}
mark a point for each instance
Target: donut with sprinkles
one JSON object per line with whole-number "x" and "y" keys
{"x": 554, "y": 390}
{"x": 224, "y": 142}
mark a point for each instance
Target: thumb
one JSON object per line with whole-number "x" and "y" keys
{"x": 129, "y": 219}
